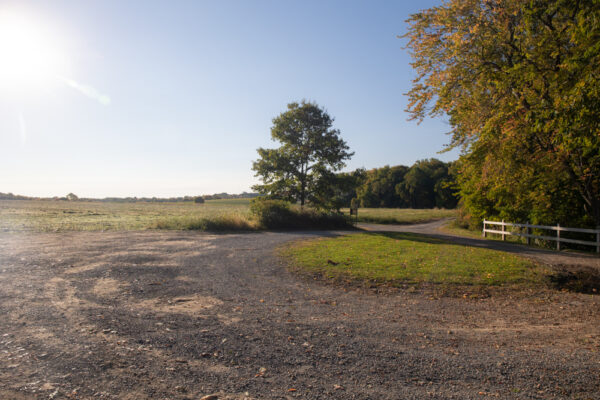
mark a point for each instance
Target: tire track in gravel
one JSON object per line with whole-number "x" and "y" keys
{"x": 178, "y": 315}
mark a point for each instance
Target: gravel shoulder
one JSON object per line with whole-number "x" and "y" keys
{"x": 179, "y": 315}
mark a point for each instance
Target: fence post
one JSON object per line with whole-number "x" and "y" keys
{"x": 503, "y": 236}
{"x": 483, "y": 233}
{"x": 528, "y": 231}
{"x": 558, "y": 236}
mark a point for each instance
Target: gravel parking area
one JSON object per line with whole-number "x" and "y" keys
{"x": 181, "y": 315}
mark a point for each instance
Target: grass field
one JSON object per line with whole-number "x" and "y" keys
{"x": 401, "y": 215}
{"x": 233, "y": 214}
{"x": 48, "y": 215}
{"x": 401, "y": 258}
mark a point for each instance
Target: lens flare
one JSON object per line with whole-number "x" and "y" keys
{"x": 30, "y": 54}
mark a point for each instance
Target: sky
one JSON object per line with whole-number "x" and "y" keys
{"x": 172, "y": 98}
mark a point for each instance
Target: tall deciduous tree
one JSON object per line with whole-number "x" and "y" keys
{"x": 520, "y": 82}
{"x": 301, "y": 168}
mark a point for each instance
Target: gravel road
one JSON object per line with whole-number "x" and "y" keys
{"x": 180, "y": 315}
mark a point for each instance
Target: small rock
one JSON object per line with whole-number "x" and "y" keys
{"x": 181, "y": 389}
{"x": 210, "y": 397}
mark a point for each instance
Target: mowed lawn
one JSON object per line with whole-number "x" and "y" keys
{"x": 58, "y": 215}
{"x": 400, "y": 258}
{"x": 401, "y": 215}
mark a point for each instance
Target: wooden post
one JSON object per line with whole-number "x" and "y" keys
{"x": 528, "y": 231}
{"x": 503, "y": 229}
{"x": 558, "y": 237}
{"x": 483, "y": 233}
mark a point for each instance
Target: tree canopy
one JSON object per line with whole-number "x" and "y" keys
{"x": 426, "y": 184}
{"x": 302, "y": 168}
{"x": 520, "y": 83}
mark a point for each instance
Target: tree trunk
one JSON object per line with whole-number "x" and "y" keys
{"x": 303, "y": 186}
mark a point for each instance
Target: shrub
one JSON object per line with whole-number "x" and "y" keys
{"x": 226, "y": 222}
{"x": 199, "y": 200}
{"x": 271, "y": 213}
{"x": 279, "y": 214}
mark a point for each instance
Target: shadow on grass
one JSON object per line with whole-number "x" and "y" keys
{"x": 581, "y": 280}
{"x": 413, "y": 237}
{"x": 572, "y": 278}
{"x": 512, "y": 247}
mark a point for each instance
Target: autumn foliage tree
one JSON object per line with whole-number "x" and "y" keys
{"x": 520, "y": 83}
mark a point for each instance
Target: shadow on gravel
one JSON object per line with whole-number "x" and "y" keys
{"x": 310, "y": 233}
{"x": 582, "y": 280}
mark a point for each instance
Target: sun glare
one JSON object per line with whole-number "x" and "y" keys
{"x": 29, "y": 54}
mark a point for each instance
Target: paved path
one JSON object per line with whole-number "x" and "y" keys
{"x": 555, "y": 258}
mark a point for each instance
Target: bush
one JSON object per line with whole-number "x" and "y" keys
{"x": 226, "y": 222}
{"x": 271, "y": 213}
{"x": 279, "y": 214}
{"x": 199, "y": 200}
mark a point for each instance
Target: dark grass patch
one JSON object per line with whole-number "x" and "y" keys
{"x": 581, "y": 280}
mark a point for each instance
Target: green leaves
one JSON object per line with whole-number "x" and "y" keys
{"x": 301, "y": 168}
{"x": 520, "y": 82}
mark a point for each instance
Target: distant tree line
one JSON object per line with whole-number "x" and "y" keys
{"x": 10, "y": 196}
{"x": 426, "y": 184}
{"x": 73, "y": 197}
{"x": 304, "y": 169}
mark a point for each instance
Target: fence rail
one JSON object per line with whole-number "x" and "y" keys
{"x": 530, "y": 236}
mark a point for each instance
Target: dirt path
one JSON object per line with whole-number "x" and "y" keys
{"x": 178, "y": 315}
{"x": 549, "y": 257}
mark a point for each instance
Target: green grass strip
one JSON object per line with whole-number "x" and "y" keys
{"x": 399, "y": 258}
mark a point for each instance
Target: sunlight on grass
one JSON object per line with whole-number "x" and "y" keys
{"x": 227, "y": 214}
{"x": 48, "y": 215}
{"x": 401, "y": 215}
{"x": 395, "y": 258}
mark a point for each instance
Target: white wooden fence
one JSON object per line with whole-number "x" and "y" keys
{"x": 530, "y": 236}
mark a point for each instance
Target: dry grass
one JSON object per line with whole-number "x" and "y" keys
{"x": 51, "y": 216}
{"x": 401, "y": 215}
{"x": 213, "y": 215}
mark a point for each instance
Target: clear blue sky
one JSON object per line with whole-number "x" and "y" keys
{"x": 173, "y": 98}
